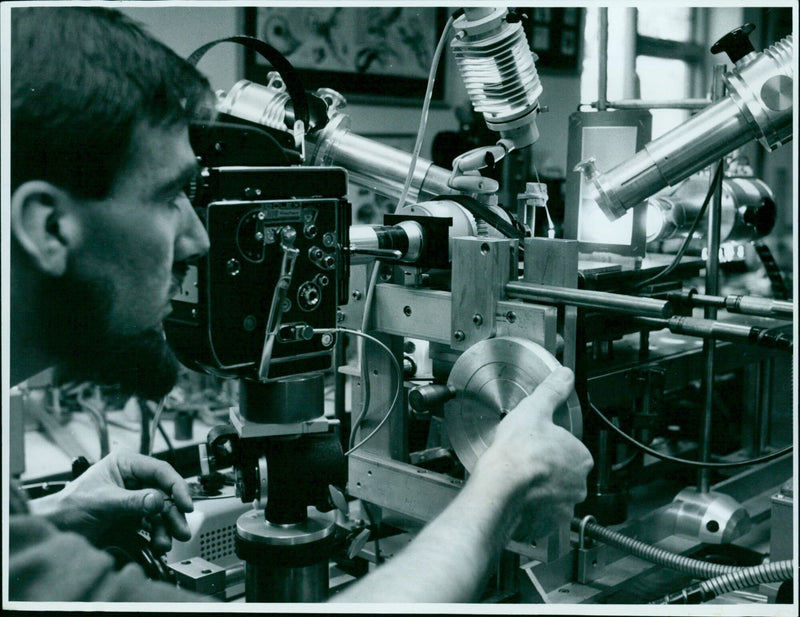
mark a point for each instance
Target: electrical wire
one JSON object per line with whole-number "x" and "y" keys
{"x": 398, "y": 370}
{"x": 154, "y": 423}
{"x": 683, "y": 461}
{"x": 679, "y": 255}
{"x": 167, "y": 440}
{"x": 373, "y": 281}
{"x": 425, "y": 109}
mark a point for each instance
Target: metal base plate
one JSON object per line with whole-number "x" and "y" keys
{"x": 490, "y": 379}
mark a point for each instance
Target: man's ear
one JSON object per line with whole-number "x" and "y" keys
{"x": 42, "y": 225}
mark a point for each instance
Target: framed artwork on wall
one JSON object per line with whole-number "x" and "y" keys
{"x": 382, "y": 53}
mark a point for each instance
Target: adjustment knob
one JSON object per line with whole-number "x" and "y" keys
{"x": 736, "y": 43}
{"x": 423, "y": 398}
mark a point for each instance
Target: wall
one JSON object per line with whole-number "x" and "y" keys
{"x": 185, "y": 29}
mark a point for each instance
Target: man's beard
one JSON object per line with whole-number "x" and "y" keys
{"x": 82, "y": 340}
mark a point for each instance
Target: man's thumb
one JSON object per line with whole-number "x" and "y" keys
{"x": 147, "y": 502}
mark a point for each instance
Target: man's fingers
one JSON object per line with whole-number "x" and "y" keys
{"x": 551, "y": 393}
{"x": 160, "y": 537}
{"x": 176, "y": 523}
{"x": 148, "y": 471}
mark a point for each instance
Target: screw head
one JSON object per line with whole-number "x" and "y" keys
{"x": 459, "y": 335}
{"x": 477, "y": 319}
{"x": 233, "y": 267}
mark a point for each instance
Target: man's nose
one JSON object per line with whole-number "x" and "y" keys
{"x": 192, "y": 241}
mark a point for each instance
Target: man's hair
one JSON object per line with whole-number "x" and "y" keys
{"x": 81, "y": 80}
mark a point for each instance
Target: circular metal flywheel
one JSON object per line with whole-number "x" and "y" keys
{"x": 490, "y": 379}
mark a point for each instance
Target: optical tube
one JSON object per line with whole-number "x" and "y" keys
{"x": 366, "y": 241}
{"x": 370, "y": 164}
{"x": 748, "y": 209}
{"x": 758, "y": 106}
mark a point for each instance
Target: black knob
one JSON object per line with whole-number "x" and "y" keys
{"x": 736, "y": 43}
{"x": 423, "y": 398}
{"x": 79, "y": 465}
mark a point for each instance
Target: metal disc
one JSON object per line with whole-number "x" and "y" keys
{"x": 490, "y": 379}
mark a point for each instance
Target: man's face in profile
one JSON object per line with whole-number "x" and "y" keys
{"x": 107, "y": 310}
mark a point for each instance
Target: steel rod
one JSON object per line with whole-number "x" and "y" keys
{"x": 692, "y": 104}
{"x": 744, "y": 305}
{"x": 710, "y": 312}
{"x": 617, "y": 303}
{"x": 721, "y": 331}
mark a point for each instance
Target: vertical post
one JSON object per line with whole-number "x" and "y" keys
{"x": 602, "y": 81}
{"x": 710, "y": 312}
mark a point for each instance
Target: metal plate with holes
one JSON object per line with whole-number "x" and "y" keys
{"x": 490, "y": 379}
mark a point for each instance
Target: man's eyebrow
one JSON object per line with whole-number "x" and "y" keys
{"x": 177, "y": 183}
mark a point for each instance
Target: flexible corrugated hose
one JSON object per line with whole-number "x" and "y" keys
{"x": 740, "y": 579}
{"x": 653, "y": 554}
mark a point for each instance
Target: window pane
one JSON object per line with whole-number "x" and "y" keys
{"x": 617, "y": 53}
{"x": 662, "y": 79}
{"x": 665, "y": 22}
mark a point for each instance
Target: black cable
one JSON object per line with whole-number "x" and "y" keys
{"x": 679, "y": 255}
{"x": 780, "y": 290}
{"x": 683, "y": 461}
{"x": 144, "y": 439}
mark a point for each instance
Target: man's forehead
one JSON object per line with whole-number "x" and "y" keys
{"x": 158, "y": 154}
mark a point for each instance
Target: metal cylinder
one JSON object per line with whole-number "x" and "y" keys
{"x": 284, "y": 563}
{"x": 748, "y": 209}
{"x": 290, "y": 400}
{"x": 366, "y": 241}
{"x": 765, "y": 307}
{"x": 759, "y": 105}
{"x": 617, "y": 303}
{"x": 376, "y": 166}
{"x": 257, "y": 103}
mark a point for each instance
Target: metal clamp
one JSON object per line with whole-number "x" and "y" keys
{"x": 582, "y": 530}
